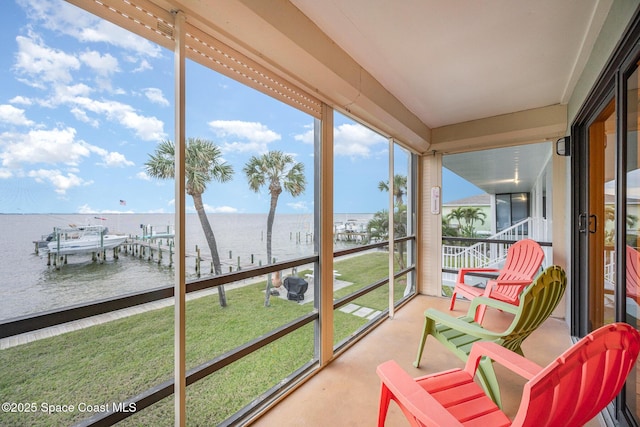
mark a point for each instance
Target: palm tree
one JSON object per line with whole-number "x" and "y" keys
{"x": 277, "y": 170}
{"x": 399, "y": 188}
{"x": 379, "y": 225}
{"x": 400, "y": 212}
{"x": 471, "y": 215}
{"x": 458, "y": 215}
{"x": 447, "y": 229}
{"x": 203, "y": 164}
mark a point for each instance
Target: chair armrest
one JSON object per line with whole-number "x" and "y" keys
{"x": 458, "y": 324}
{"x": 507, "y": 358}
{"x": 510, "y": 282}
{"x": 414, "y": 398}
{"x": 505, "y": 282}
{"x": 463, "y": 271}
{"x": 490, "y": 302}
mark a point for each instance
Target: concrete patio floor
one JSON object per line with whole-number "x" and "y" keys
{"x": 346, "y": 392}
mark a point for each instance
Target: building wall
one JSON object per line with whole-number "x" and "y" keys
{"x": 429, "y": 227}
{"x": 614, "y": 26}
{"x": 478, "y": 226}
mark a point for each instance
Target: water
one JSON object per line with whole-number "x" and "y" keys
{"x": 29, "y": 286}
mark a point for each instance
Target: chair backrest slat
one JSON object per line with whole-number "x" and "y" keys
{"x": 584, "y": 379}
{"x": 633, "y": 273}
{"x": 537, "y": 302}
{"x": 522, "y": 263}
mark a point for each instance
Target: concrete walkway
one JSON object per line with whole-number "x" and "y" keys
{"x": 75, "y": 325}
{"x": 360, "y": 311}
{"x": 350, "y": 308}
{"x": 126, "y": 312}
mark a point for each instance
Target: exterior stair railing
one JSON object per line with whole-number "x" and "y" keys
{"x": 488, "y": 254}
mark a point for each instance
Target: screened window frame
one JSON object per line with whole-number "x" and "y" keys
{"x": 157, "y": 25}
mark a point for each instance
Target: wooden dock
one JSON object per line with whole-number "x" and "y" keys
{"x": 162, "y": 251}
{"x": 351, "y": 236}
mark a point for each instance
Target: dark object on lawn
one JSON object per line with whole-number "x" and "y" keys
{"x": 296, "y": 287}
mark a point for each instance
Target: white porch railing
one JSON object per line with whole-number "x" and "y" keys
{"x": 609, "y": 269}
{"x": 488, "y": 254}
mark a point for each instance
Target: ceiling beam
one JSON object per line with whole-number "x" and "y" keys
{"x": 523, "y": 127}
{"x": 290, "y": 41}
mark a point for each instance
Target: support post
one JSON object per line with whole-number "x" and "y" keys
{"x": 180, "y": 366}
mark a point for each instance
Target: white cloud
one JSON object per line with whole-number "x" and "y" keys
{"x": 82, "y": 116}
{"x": 20, "y": 100}
{"x": 63, "y": 93}
{"x": 5, "y": 173}
{"x": 218, "y": 209}
{"x": 299, "y": 206}
{"x": 14, "y": 116}
{"x": 53, "y": 147}
{"x": 144, "y": 66}
{"x": 42, "y": 146}
{"x": 104, "y": 66}
{"x": 86, "y": 209}
{"x": 115, "y": 160}
{"x": 67, "y": 19}
{"x": 244, "y": 147}
{"x": 45, "y": 68}
{"x": 306, "y": 137}
{"x": 143, "y": 176}
{"x": 156, "y": 96}
{"x": 110, "y": 159}
{"x": 60, "y": 182}
{"x": 253, "y": 131}
{"x": 355, "y": 140}
{"x": 257, "y": 135}
{"x": 352, "y": 140}
{"x": 156, "y": 211}
{"x": 41, "y": 64}
{"x": 146, "y": 128}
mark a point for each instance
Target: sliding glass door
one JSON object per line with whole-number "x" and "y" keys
{"x": 632, "y": 225}
{"x": 606, "y": 209}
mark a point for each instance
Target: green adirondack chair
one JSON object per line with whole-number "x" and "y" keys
{"x": 458, "y": 334}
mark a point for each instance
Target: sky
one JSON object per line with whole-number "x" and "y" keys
{"x": 84, "y": 103}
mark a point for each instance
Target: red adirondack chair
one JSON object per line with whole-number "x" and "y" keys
{"x": 568, "y": 392}
{"x": 523, "y": 262}
{"x": 633, "y": 273}
{"x": 632, "y": 276}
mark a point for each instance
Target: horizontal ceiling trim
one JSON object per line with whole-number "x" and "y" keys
{"x": 210, "y": 52}
{"x": 156, "y": 24}
{"x": 142, "y": 18}
{"x": 535, "y": 125}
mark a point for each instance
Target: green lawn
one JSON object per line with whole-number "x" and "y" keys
{"x": 111, "y": 362}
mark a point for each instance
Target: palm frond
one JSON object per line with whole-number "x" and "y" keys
{"x": 203, "y": 164}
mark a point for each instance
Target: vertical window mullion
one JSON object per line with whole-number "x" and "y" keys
{"x": 391, "y": 227}
{"x": 180, "y": 195}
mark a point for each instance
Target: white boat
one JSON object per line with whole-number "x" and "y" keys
{"x": 350, "y": 226}
{"x": 83, "y": 239}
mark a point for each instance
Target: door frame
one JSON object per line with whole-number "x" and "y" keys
{"x": 611, "y": 84}
{"x": 580, "y": 191}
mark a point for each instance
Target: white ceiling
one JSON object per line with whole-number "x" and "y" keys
{"x": 458, "y": 60}
{"x": 501, "y": 170}
{"x": 446, "y": 61}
